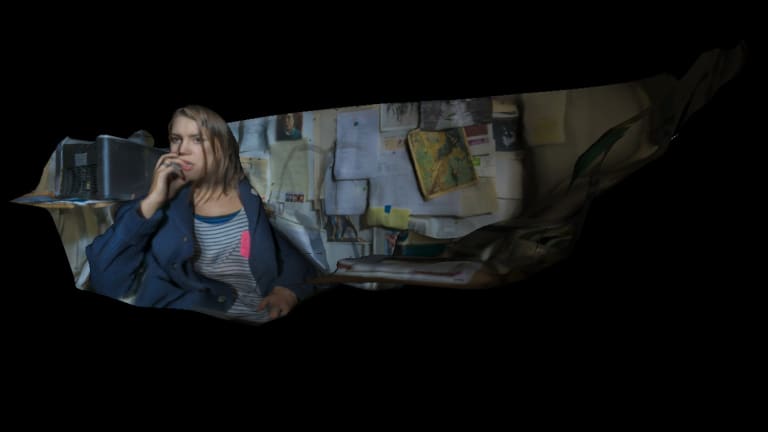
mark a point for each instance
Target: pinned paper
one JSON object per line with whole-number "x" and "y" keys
{"x": 388, "y": 216}
{"x": 257, "y": 171}
{"x": 357, "y": 142}
{"x": 344, "y": 197}
{"x": 545, "y": 117}
{"x": 485, "y": 165}
{"x": 509, "y": 175}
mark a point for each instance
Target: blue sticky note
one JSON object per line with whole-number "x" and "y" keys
{"x": 387, "y": 209}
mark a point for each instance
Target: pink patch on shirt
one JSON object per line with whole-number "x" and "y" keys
{"x": 245, "y": 244}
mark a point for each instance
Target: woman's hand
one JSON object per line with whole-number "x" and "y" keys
{"x": 168, "y": 179}
{"x": 279, "y": 302}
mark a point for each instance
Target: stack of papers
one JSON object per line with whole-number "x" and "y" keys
{"x": 409, "y": 269}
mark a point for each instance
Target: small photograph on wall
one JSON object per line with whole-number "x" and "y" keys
{"x": 505, "y": 134}
{"x": 289, "y": 126}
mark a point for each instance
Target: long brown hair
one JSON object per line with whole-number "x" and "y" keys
{"x": 226, "y": 171}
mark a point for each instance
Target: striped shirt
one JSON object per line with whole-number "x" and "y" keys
{"x": 222, "y": 247}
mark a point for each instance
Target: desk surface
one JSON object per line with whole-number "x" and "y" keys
{"x": 481, "y": 279}
{"x": 48, "y": 201}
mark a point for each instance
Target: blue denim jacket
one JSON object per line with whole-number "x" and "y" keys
{"x": 152, "y": 258}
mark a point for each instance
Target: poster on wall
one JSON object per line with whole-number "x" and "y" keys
{"x": 441, "y": 115}
{"x": 399, "y": 116}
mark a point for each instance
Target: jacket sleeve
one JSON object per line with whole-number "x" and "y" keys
{"x": 115, "y": 256}
{"x": 294, "y": 268}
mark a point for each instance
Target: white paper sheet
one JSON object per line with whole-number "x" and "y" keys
{"x": 402, "y": 191}
{"x": 302, "y": 213}
{"x": 449, "y": 227}
{"x": 393, "y": 163}
{"x": 509, "y": 175}
{"x": 485, "y": 165}
{"x": 393, "y": 141}
{"x": 324, "y": 139}
{"x": 257, "y": 171}
{"x": 479, "y": 199}
{"x": 289, "y": 161}
{"x": 307, "y": 241}
{"x": 344, "y": 197}
{"x": 251, "y": 134}
{"x": 357, "y": 144}
{"x": 545, "y": 117}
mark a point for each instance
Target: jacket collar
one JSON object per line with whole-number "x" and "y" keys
{"x": 250, "y": 198}
{"x": 182, "y": 211}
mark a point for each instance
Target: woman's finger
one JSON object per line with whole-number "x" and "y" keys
{"x": 162, "y": 160}
{"x": 264, "y": 303}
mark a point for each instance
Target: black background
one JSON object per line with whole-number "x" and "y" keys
{"x": 656, "y": 281}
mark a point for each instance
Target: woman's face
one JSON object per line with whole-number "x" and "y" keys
{"x": 188, "y": 143}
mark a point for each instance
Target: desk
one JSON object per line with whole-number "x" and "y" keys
{"x": 50, "y": 202}
{"x": 483, "y": 278}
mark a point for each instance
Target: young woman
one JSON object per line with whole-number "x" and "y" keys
{"x": 200, "y": 238}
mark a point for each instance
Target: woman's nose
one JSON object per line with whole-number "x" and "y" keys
{"x": 182, "y": 146}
